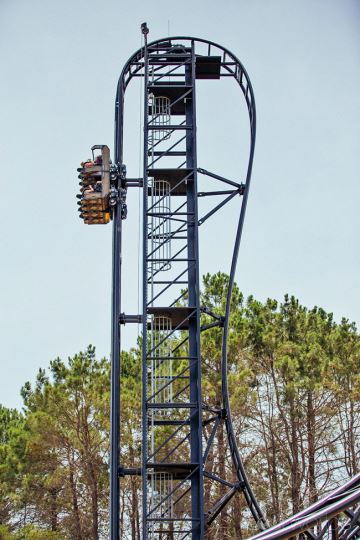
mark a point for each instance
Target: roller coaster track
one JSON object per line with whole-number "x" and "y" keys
{"x": 335, "y": 516}
{"x": 319, "y": 520}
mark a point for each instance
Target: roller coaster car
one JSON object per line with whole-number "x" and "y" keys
{"x": 94, "y": 177}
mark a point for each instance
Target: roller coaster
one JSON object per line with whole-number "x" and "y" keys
{"x": 174, "y": 474}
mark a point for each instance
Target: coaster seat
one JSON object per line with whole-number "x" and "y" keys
{"x": 94, "y": 175}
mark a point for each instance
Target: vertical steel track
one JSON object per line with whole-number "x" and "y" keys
{"x": 145, "y": 297}
{"x": 116, "y": 335}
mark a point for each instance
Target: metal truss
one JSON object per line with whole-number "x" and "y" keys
{"x": 335, "y": 517}
{"x": 175, "y": 451}
{"x": 174, "y": 414}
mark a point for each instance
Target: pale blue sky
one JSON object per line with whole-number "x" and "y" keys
{"x": 60, "y": 64}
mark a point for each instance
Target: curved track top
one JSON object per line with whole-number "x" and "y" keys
{"x": 233, "y": 68}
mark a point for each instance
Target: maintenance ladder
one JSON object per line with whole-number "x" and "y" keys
{"x": 172, "y": 406}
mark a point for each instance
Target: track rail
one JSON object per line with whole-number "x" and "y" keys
{"x": 340, "y": 500}
{"x": 321, "y": 519}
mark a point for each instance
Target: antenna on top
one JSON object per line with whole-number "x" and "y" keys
{"x": 144, "y": 29}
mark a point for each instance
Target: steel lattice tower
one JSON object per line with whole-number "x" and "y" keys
{"x": 174, "y": 413}
{"x": 174, "y": 459}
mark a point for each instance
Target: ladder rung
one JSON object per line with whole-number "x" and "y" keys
{"x": 168, "y": 422}
{"x": 166, "y": 154}
{"x": 171, "y": 405}
{"x": 167, "y": 127}
{"x": 182, "y": 282}
{"x": 170, "y": 260}
{"x": 173, "y": 358}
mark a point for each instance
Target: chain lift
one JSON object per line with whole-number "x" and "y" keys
{"x": 175, "y": 414}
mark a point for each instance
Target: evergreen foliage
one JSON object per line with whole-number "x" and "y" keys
{"x": 294, "y": 382}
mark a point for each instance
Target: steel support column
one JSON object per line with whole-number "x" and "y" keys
{"x": 194, "y": 301}
{"x": 145, "y": 299}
